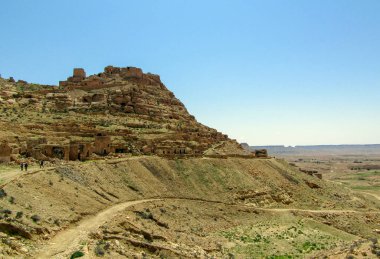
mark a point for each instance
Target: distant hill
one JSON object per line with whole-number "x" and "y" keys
{"x": 372, "y": 149}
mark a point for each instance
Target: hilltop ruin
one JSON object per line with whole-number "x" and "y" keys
{"x": 121, "y": 110}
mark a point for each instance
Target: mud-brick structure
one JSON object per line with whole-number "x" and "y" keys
{"x": 80, "y": 150}
{"x": 102, "y": 145}
{"x": 34, "y": 146}
{"x": 125, "y": 72}
{"x": 261, "y": 153}
{"x": 169, "y": 150}
{"x": 57, "y": 151}
{"x": 78, "y": 75}
{"x": 5, "y": 152}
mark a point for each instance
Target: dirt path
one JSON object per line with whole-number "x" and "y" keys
{"x": 69, "y": 240}
{"x": 13, "y": 174}
{"x": 9, "y": 175}
{"x": 316, "y": 211}
{"x": 371, "y": 194}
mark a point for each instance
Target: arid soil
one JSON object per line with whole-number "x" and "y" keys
{"x": 361, "y": 173}
{"x": 200, "y": 207}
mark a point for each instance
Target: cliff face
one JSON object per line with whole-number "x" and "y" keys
{"x": 121, "y": 110}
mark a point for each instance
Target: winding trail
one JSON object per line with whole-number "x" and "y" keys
{"x": 69, "y": 240}
{"x": 317, "y": 211}
{"x": 14, "y": 173}
{"x": 371, "y": 194}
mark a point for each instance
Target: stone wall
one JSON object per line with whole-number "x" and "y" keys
{"x": 56, "y": 151}
{"x": 5, "y": 152}
{"x": 33, "y": 145}
{"x": 79, "y": 73}
{"x": 102, "y": 145}
{"x": 80, "y": 150}
{"x": 131, "y": 72}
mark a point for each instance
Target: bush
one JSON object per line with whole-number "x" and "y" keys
{"x": 35, "y": 218}
{"x": 76, "y": 254}
{"x": 101, "y": 247}
{"x": 12, "y": 200}
{"x": 19, "y": 214}
{"x": 99, "y": 251}
{"x": 2, "y": 193}
{"x": 6, "y": 211}
{"x": 145, "y": 214}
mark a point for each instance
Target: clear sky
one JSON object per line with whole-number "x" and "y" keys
{"x": 264, "y": 72}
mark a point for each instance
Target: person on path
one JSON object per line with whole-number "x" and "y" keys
{"x": 26, "y": 166}
{"x": 41, "y": 163}
{"x": 22, "y": 166}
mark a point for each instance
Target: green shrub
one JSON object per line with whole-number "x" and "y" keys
{"x": 35, "y": 218}
{"x": 19, "y": 214}
{"x": 76, "y": 254}
{"x": 11, "y": 200}
{"x": 2, "y": 193}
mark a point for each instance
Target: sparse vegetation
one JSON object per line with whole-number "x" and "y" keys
{"x": 6, "y": 212}
{"x": 11, "y": 200}
{"x": 19, "y": 214}
{"x": 2, "y": 193}
{"x": 36, "y": 218}
{"x": 77, "y": 254}
{"x": 101, "y": 248}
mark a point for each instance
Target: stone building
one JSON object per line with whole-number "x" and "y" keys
{"x": 168, "y": 150}
{"x": 78, "y": 75}
{"x": 102, "y": 145}
{"x": 263, "y": 153}
{"x": 131, "y": 72}
{"x": 34, "y": 146}
{"x": 57, "y": 151}
{"x": 80, "y": 150}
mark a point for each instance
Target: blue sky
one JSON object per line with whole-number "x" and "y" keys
{"x": 264, "y": 72}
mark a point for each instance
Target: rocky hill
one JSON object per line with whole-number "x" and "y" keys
{"x": 129, "y": 173}
{"x": 118, "y": 111}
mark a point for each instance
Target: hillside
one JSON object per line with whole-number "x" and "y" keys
{"x": 53, "y": 199}
{"x": 129, "y": 173}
